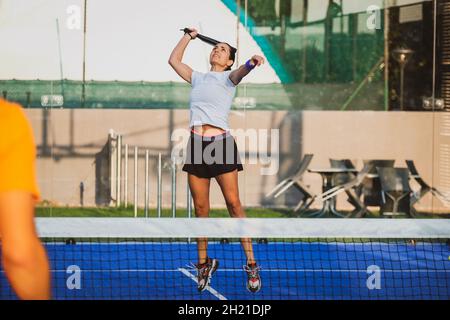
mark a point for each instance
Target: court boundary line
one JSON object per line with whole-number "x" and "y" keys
{"x": 214, "y": 292}
{"x": 267, "y": 270}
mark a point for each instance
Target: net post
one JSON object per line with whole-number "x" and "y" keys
{"x": 159, "y": 186}
{"x": 146, "y": 184}
{"x": 135, "y": 180}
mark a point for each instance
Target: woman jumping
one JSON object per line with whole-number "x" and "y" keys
{"x": 211, "y": 150}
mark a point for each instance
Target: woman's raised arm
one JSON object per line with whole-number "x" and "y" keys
{"x": 183, "y": 70}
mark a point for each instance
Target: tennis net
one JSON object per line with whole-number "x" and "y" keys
{"x": 121, "y": 258}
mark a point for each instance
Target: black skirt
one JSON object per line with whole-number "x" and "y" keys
{"x": 208, "y": 157}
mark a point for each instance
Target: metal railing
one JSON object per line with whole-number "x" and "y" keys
{"x": 119, "y": 178}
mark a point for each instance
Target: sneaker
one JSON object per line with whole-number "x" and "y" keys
{"x": 253, "y": 278}
{"x": 205, "y": 272}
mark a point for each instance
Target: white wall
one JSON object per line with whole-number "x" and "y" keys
{"x": 127, "y": 40}
{"x": 356, "y": 135}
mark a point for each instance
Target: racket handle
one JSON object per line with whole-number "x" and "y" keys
{"x": 202, "y": 37}
{"x": 206, "y": 39}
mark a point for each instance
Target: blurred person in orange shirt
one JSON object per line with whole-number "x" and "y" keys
{"x": 24, "y": 258}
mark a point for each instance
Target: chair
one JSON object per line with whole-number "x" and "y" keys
{"x": 396, "y": 191}
{"x": 342, "y": 178}
{"x": 345, "y": 164}
{"x": 351, "y": 188}
{"x": 295, "y": 180}
{"x": 371, "y": 188}
{"x": 424, "y": 187}
{"x": 342, "y": 163}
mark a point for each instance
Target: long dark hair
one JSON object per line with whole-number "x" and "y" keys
{"x": 232, "y": 55}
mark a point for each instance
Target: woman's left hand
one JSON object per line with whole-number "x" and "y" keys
{"x": 257, "y": 60}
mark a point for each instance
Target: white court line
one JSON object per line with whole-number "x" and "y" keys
{"x": 271, "y": 270}
{"x": 106, "y": 270}
{"x": 340, "y": 270}
{"x": 209, "y": 288}
{"x": 121, "y": 270}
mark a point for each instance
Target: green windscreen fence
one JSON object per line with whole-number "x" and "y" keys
{"x": 151, "y": 95}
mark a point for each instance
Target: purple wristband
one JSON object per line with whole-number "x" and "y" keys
{"x": 249, "y": 66}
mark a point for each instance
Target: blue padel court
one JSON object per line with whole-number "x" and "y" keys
{"x": 292, "y": 270}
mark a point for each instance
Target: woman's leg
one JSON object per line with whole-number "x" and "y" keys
{"x": 228, "y": 183}
{"x": 200, "y": 194}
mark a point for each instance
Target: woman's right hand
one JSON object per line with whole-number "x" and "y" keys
{"x": 193, "y": 33}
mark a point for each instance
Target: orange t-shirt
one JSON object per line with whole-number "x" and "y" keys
{"x": 17, "y": 150}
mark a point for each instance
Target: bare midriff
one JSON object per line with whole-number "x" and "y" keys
{"x": 208, "y": 130}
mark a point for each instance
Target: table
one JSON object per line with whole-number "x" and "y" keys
{"x": 329, "y": 205}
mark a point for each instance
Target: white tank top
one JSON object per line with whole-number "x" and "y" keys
{"x": 211, "y": 98}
